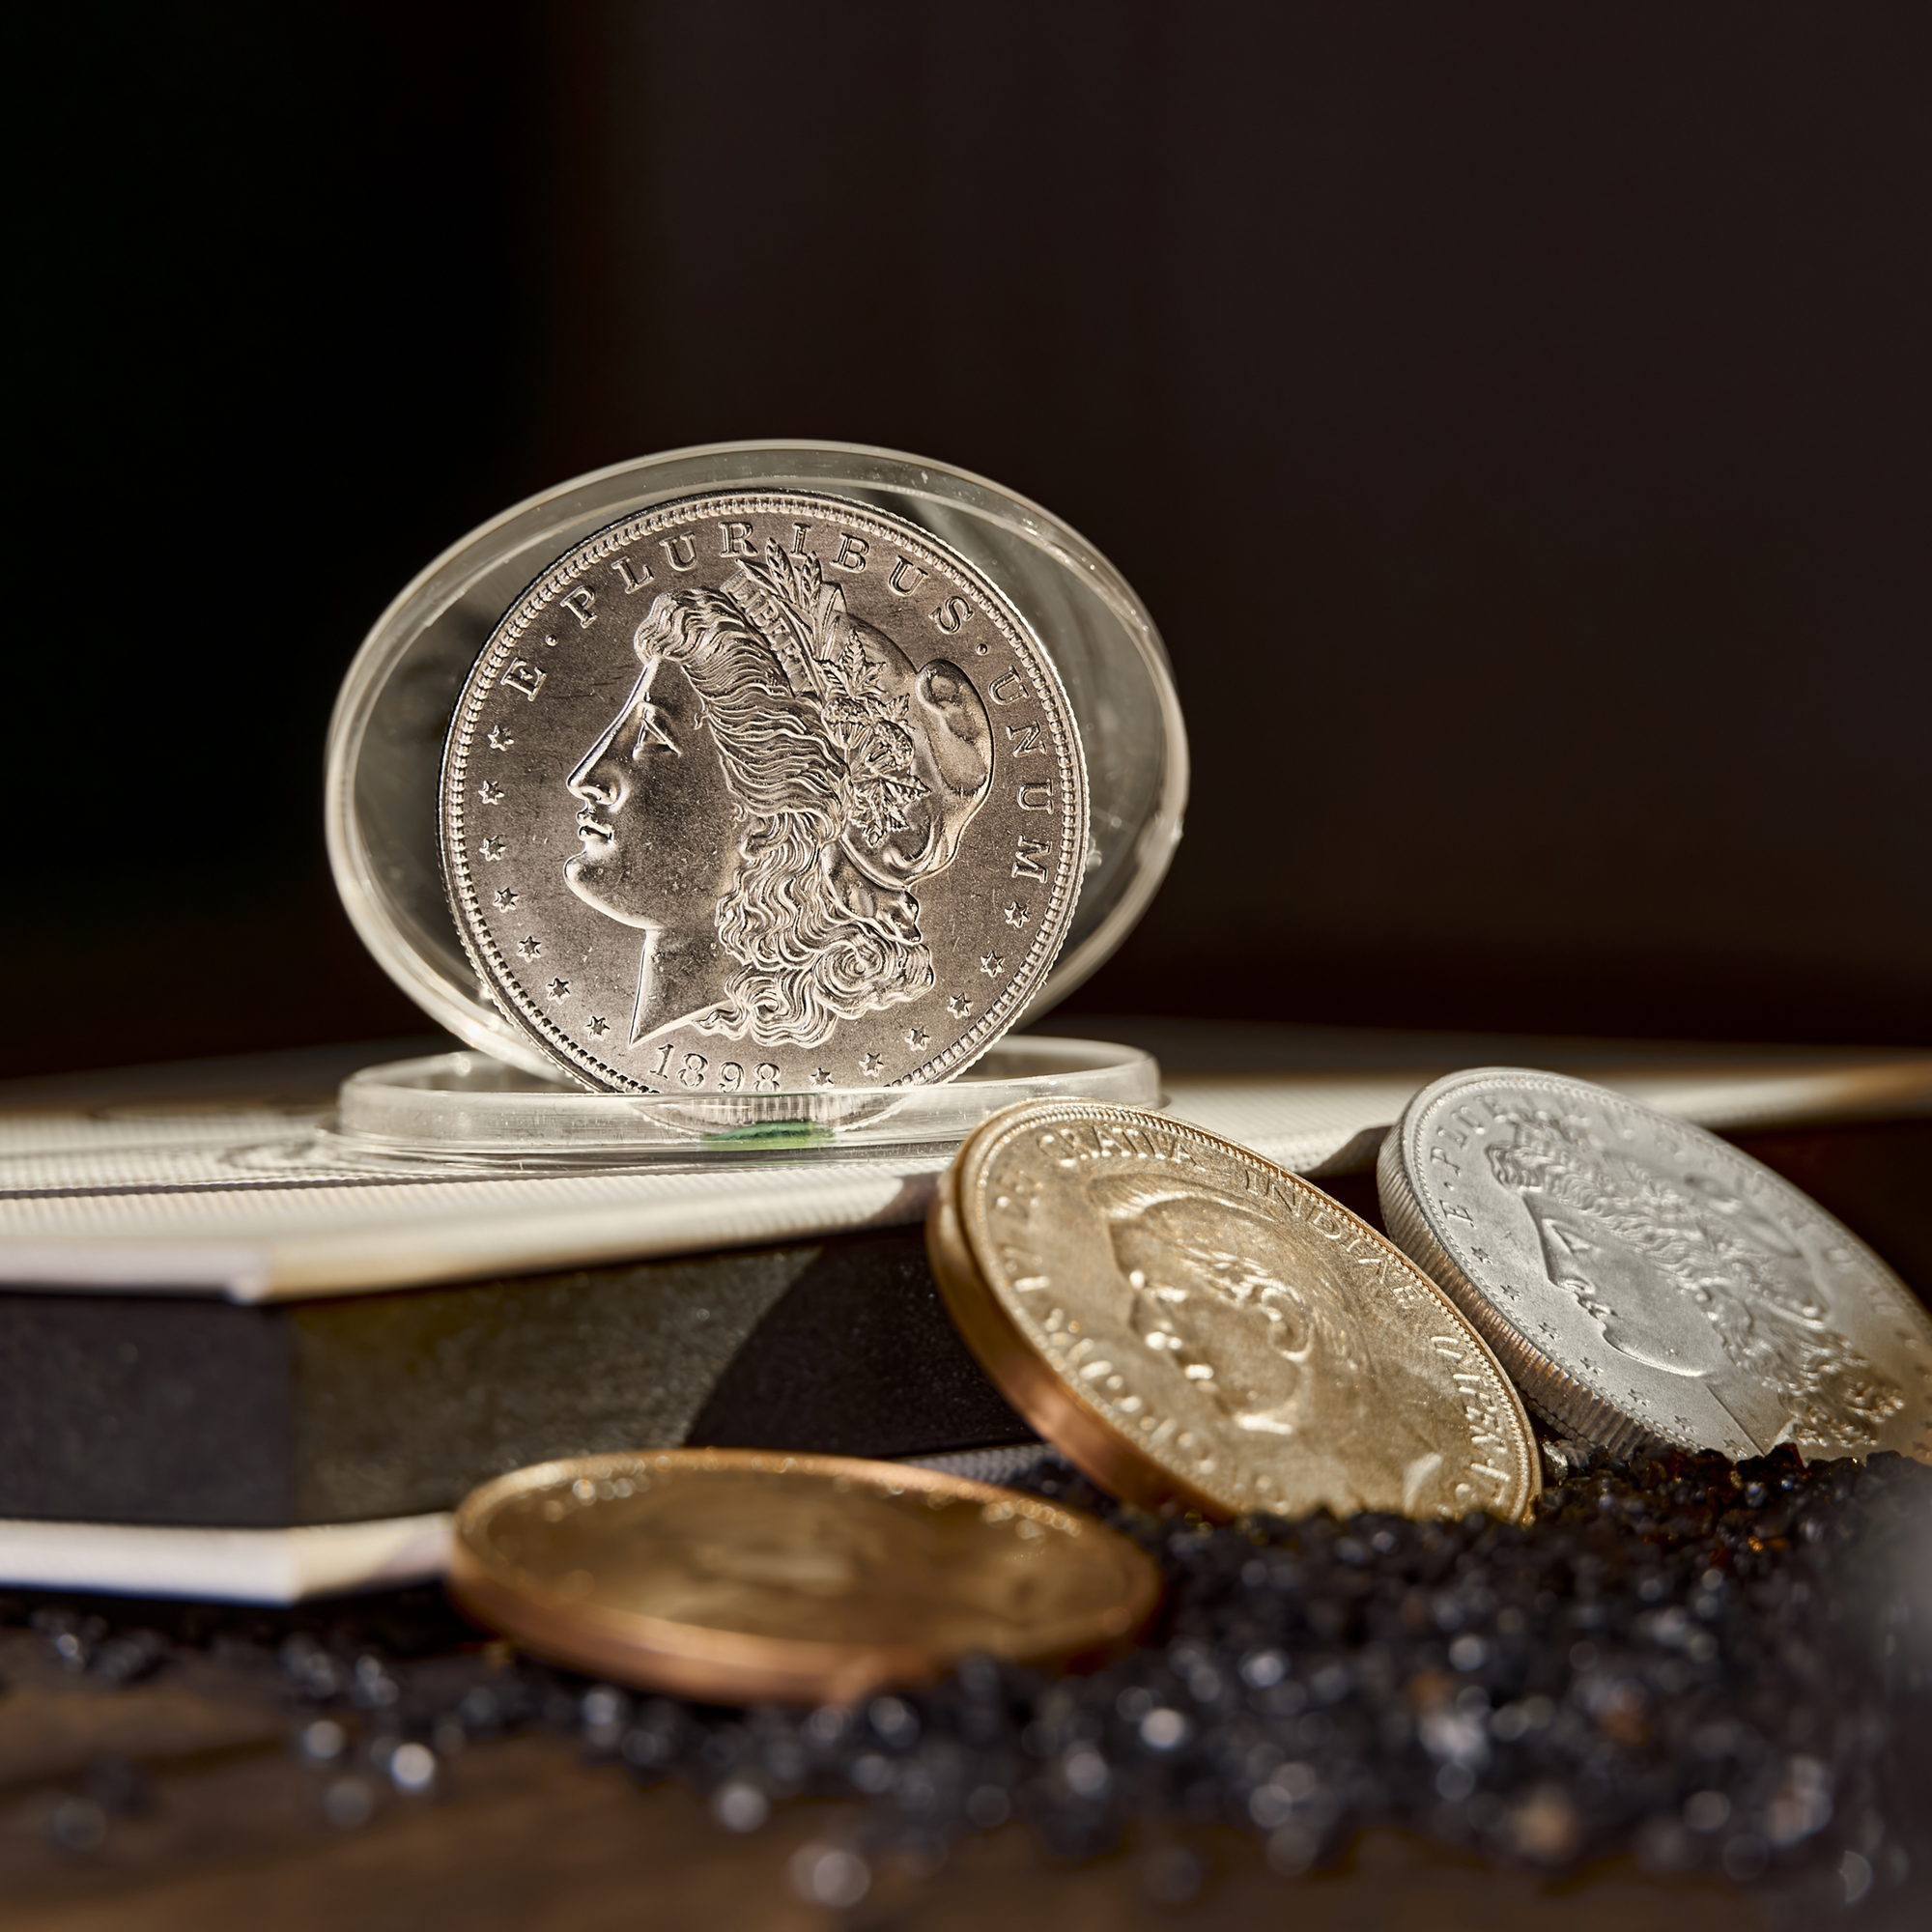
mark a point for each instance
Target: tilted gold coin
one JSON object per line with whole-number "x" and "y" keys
{"x": 744, "y": 1576}
{"x": 1198, "y": 1328}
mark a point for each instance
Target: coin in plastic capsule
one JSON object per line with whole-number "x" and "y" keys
{"x": 727, "y": 811}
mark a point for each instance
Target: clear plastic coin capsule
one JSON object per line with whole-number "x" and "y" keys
{"x": 504, "y": 1099}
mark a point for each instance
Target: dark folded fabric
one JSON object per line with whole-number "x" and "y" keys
{"x": 168, "y": 1408}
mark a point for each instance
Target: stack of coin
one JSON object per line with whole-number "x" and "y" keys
{"x": 1645, "y": 1282}
{"x": 1198, "y": 1329}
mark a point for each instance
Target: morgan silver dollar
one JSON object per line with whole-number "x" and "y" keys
{"x": 1645, "y": 1282}
{"x": 762, "y": 792}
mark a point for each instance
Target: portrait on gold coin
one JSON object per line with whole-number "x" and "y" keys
{"x": 1236, "y": 1317}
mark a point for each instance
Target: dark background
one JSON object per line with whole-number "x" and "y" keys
{"x": 1517, "y": 419}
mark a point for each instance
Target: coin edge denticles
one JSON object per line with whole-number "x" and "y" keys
{"x": 1560, "y": 1397}
{"x": 968, "y": 1178}
{"x": 493, "y": 971}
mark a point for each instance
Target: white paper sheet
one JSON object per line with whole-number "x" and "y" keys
{"x": 246, "y": 1199}
{"x": 234, "y": 1566}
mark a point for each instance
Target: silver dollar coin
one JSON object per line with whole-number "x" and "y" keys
{"x": 762, "y": 792}
{"x": 1645, "y": 1282}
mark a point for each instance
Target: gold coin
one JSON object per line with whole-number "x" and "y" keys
{"x": 743, "y": 1576}
{"x": 1198, "y": 1329}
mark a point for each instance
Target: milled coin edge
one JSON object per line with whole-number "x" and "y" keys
{"x": 1555, "y": 1393}
{"x": 1085, "y": 1437}
{"x": 1556, "y": 1396}
{"x": 1092, "y": 1443}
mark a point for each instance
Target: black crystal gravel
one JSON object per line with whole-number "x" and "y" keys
{"x": 1719, "y": 1669}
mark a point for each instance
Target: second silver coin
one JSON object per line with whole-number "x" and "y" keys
{"x": 1643, "y": 1281}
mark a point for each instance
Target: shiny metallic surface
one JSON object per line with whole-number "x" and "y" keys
{"x": 1645, "y": 1282}
{"x": 763, "y": 792}
{"x": 741, "y": 1575}
{"x": 473, "y": 1112}
{"x": 391, "y": 719}
{"x": 1196, "y": 1327}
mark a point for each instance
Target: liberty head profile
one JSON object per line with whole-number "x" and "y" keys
{"x": 777, "y": 783}
{"x": 1222, "y": 1300}
{"x": 1681, "y": 1272}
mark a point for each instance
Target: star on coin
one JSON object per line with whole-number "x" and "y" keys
{"x": 530, "y": 947}
{"x": 559, "y": 989}
{"x": 506, "y": 898}
{"x": 991, "y": 964}
{"x": 1017, "y": 914}
{"x": 959, "y": 1006}
{"x": 821, "y": 1076}
{"x": 871, "y": 1064}
{"x": 599, "y": 1025}
{"x": 944, "y": 877}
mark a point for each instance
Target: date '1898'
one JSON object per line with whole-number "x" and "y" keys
{"x": 695, "y": 1067}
